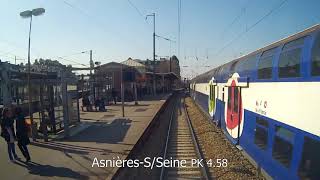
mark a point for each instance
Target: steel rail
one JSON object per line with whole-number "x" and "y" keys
{"x": 167, "y": 139}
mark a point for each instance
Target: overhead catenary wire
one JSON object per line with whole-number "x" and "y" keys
{"x": 35, "y": 51}
{"x": 136, "y": 8}
{"x": 249, "y": 28}
{"x": 74, "y": 62}
{"x": 235, "y": 20}
{"x": 92, "y": 18}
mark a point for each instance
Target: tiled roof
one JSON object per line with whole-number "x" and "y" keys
{"x": 132, "y": 63}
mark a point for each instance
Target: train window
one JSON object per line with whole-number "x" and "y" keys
{"x": 261, "y": 133}
{"x": 233, "y": 65}
{"x": 282, "y": 151}
{"x": 284, "y": 133}
{"x": 265, "y": 68}
{"x": 294, "y": 43}
{"x": 265, "y": 64}
{"x": 269, "y": 52}
{"x": 246, "y": 64}
{"x": 262, "y": 122}
{"x": 289, "y": 63}
{"x": 309, "y": 164}
{"x": 315, "y": 58}
{"x": 236, "y": 102}
{"x": 261, "y": 137}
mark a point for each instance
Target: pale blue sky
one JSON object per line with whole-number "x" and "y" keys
{"x": 114, "y": 30}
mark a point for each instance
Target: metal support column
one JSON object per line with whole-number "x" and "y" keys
{"x": 65, "y": 107}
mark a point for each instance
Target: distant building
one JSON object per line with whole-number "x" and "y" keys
{"x": 137, "y": 73}
{"x": 164, "y": 65}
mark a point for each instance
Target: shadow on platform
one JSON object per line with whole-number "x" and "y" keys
{"x": 51, "y": 171}
{"x": 69, "y": 148}
{"x": 129, "y": 105}
{"x": 112, "y": 133}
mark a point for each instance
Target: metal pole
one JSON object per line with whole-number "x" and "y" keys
{"x": 135, "y": 93}
{"x": 43, "y": 118}
{"x": 65, "y": 107}
{"x": 91, "y": 62}
{"x": 122, "y": 91}
{"x": 91, "y": 80}
{"x": 29, "y": 83}
{"x": 154, "y": 54}
{"x": 170, "y": 68}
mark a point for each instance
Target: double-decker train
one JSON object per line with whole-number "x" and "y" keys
{"x": 268, "y": 103}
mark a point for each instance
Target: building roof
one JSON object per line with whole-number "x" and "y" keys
{"x": 133, "y": 63}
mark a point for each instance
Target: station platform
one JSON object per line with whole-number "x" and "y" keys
{"x": 103, "y": 135}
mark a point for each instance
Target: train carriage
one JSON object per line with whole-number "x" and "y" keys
{"x": 267, "y": 102}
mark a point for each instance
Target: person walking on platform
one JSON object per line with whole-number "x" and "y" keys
{"x": 22, "y": 134}
{"x": 7, "y": 132}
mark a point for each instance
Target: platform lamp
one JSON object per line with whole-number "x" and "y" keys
{"x": 29, "y": 14}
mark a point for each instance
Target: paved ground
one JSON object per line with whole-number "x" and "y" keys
{"x": 105, "y": 135}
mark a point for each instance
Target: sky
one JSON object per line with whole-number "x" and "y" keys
{"x": 212, "y": 32}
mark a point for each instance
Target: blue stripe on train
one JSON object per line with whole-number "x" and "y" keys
{"x": 262, "y": 157}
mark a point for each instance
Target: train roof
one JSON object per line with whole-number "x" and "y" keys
{"x": 285, "y": 40}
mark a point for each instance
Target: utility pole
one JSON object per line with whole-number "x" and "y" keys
{"x": 91, "y": 63}
{"x": 154, "y": 51}
{"x": 15, "y": 60}
{"x": 122, "y": 90}
{"x": 91, "y": 76}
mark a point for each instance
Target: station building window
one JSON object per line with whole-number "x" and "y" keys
{"x": 309, "y": 163}
{"x": 315, "y": 58}
{"x": 289, "y": 62}
{"x": 265, "y": 64}
{"x": 282, "y": 147}
{"x": 261, "y": 133}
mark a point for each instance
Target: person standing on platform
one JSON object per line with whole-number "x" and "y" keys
{"x": 22, "y": 134}
{"x": 114, "y": 95}
{"x": 7, "y": 132}
{"x": 97, "y": 104}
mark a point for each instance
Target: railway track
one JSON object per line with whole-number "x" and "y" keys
{"x": 182, "y": 145}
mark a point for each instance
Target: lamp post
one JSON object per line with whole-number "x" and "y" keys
{"x": 154, "y": 51}
{"x": 29, "y": 14}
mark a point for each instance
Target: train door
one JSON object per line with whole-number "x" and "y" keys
{"x": 233, "y": 107}
{"x": 212, "y": 99}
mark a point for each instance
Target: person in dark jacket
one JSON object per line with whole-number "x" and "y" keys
{"x": 114, "y": 95}
{"x": 22, "y": 133}
{"x": 7, "y": 132}
{"x": 97, "y": 104}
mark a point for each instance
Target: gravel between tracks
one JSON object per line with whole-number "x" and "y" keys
{"x": 214, "y": 145}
